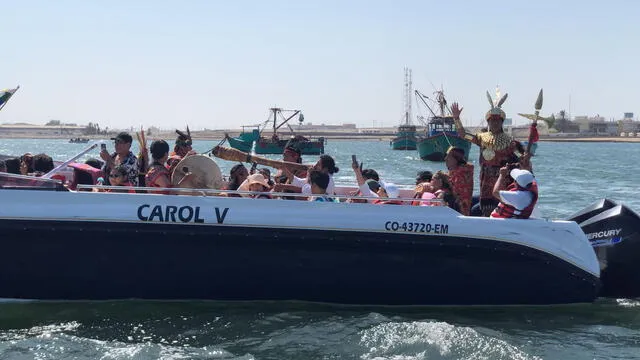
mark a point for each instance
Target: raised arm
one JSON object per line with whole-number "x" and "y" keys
{"x": 456, "y": 110}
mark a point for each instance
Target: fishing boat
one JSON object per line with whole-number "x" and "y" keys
{"x": 405, "y": 138}
{"x": 441, "y": 132}
{"x": 406, "y": 135}
{"x": 79, "y": 141}
{"x": 251, "y": 139}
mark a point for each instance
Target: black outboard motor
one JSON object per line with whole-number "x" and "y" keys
{"x": 614, "y": 232}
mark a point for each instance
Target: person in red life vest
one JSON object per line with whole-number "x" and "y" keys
{"x": 461, "y": 178}
{"x": 181, "y": 149}
{"x": 518, "y": 199}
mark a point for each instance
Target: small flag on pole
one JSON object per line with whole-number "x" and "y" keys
{"x": 5, "y": 95}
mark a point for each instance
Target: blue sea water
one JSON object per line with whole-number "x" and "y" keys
{"x": 571, "y": 176}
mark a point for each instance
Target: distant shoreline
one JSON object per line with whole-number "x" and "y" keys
{"x": 213, "y": 137}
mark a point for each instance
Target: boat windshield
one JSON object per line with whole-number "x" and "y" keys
{"x": 20, "y": 182}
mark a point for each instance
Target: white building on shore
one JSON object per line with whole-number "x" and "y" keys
{"x": 40, "y": 130}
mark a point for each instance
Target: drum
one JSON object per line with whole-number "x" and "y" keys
{"x": 206, "y": 173}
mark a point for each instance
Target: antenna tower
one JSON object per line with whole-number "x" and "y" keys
{"x": 408, "y": 91}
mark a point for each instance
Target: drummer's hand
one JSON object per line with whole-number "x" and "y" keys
{"x": 192, "y": 152}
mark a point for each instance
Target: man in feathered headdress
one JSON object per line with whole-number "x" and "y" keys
{"x": 497, "y": 148}
{"x": 181, "y": 149}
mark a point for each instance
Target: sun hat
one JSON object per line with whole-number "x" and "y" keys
{"x": 257, "y": 179}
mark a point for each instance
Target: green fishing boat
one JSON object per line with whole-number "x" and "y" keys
{"x": 441, "y": 133}
{"x": 406, "y": 136}
{"x": 251, "y": 138}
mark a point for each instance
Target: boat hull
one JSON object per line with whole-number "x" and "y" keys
{"x": 434, "y": 148}
{"x": 262, "y": 146}
{"x": 404, "y": 143}
{"x": 95, "y": 261}
{"x": 97, "y": 246}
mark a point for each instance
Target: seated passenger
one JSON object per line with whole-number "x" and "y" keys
{"x": 325, "y": 164}
{"x": 443, "y": 191}
{"x": 158, "y": 175}
{"x": 118, "y": 176}
{"x": 237, "y": 177}
{"x": 518, "y": 199}
{"x": 12, "y": 166}
{"x": 370, "y": 174}
{"x": 319, "y": 182}
{"x": 26, "y": 164}
{"x": 423, "y": 186}
{"x": 388, "y": 193}
{"x": 267, "y": 175}
{"x": 42, "y": 164}
{"x": 258, "y": 184}
{"x": 121, "y": 156}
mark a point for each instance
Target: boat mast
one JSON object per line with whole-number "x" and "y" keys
{"x": 442, "y": 102}
{"x": 408, "y": 90}
{"x": 275, "y": 118}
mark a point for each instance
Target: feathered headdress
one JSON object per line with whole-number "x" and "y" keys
{"x": 183, "y": 137}
{"x": 496, "y": 108}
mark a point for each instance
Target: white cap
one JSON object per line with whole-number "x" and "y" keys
{"x": 391, "y": 189}
{"x": 522, "y": 177}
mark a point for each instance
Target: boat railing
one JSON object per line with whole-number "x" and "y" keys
{"x": 221, "y": 192}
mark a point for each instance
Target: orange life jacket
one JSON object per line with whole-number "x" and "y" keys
{"x": 506, "y": 211}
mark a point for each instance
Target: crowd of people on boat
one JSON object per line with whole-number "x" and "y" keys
{"x": 507, "y": 185}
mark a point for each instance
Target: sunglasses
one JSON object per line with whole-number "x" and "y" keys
{"x": 184, "y": 143}
{"x": 114, "y": 175}
{"x": 118, "y": 141}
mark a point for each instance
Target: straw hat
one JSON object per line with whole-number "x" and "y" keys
{"x": 257, "y": 179}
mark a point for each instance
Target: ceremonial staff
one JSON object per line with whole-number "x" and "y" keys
{"x": 533, "y": 132}
{"x": 237, "y": 155}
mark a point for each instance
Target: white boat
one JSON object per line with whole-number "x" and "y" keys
{"x": 66, "y": 245}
